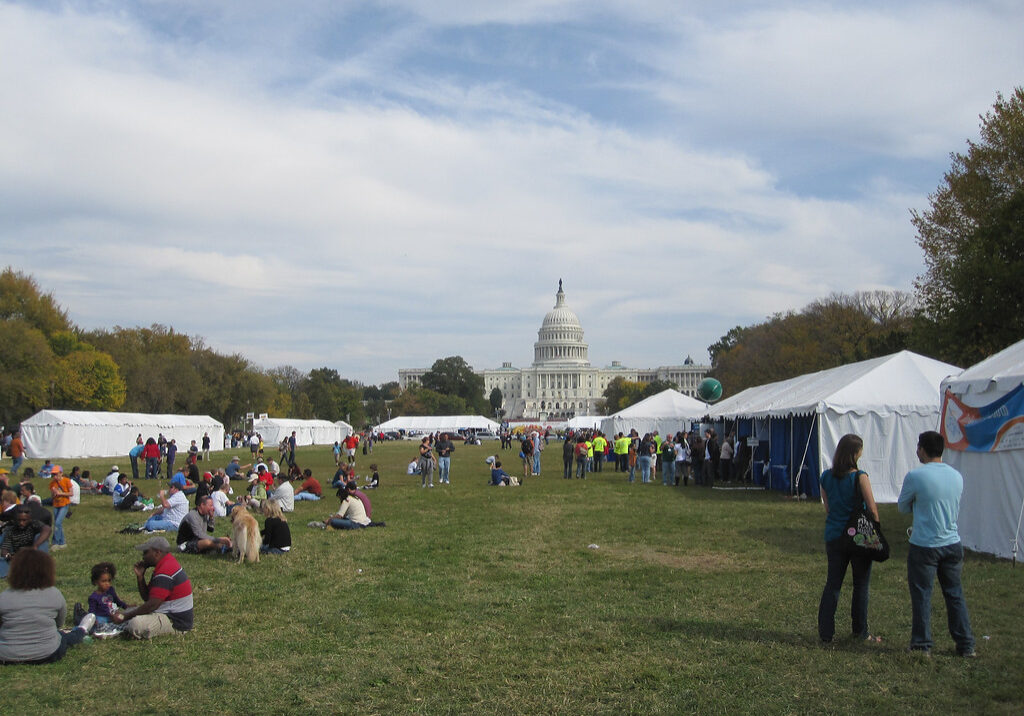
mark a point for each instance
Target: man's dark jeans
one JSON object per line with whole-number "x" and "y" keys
{"x": 923, "y": 565}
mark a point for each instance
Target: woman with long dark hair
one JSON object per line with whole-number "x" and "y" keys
{"x": 32, "y": 610}
{"x": 839, "y": 494}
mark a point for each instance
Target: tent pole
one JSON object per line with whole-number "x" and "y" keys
{"x": 792, "y": 482}
{"x": 1016, "y": 535}
{"x": 807, "y": 445}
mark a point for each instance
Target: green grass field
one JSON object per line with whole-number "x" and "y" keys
{"x": 488, "y": 600}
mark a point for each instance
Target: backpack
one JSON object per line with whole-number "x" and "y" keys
{"x": 581, "y": 449}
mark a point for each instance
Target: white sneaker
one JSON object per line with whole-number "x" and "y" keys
{"x": 88, "y": 622}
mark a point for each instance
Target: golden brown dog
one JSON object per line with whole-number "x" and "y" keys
{"x": 245, "y": 535}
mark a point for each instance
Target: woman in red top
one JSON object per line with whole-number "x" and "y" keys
{"x": 151, "y": 453}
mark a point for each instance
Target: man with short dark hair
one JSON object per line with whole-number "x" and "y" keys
{"x": 195, "y": 531}
{"x": 22, "y": 532}
{"x": 932, "y": 493}
{"x": 167, "y": 605}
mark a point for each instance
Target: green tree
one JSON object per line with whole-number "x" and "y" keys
{"x": 971, "y": 292}
{"x": 27, "y": 370}
{"x": 88, "y": 379}
{"x": 453, "y": 376}
{"x": 21, "y": 298}
{"x": 833, "y": 331}
{"x": 496, "y": 399}
{"x": 334, "y": 398}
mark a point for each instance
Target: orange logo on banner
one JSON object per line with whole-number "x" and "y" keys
{"x": 955, "y": 417}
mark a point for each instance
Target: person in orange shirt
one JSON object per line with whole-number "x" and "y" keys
{"x": 60, "y": 488}
{"x": 17, "y": 450}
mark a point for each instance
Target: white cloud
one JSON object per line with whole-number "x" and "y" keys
{"x": 153, "y": 184}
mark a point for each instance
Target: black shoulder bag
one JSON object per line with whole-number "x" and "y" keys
{"x": 863, "y": 536}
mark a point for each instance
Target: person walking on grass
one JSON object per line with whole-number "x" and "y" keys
{"x": 932, "y": 494}
{"x": 842, "y": 486}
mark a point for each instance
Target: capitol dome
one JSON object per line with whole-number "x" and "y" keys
{"x": 560, "y": 338}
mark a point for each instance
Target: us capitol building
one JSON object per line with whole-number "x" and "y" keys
{"x": 561, "y": 383}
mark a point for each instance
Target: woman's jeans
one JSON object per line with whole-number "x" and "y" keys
{"x": 567, "y": 468}
{"x": 152, "y": 465}
{"x": 837, "y": 562}
{"x": 58, "y": 524}
{"x": 343, "y": 523}
{"x": 645, "y": 468}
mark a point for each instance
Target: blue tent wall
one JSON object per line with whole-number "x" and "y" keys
{"x": 789, "y": 438}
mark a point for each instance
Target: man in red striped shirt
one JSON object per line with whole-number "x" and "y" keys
{"x": 167, "y": 605}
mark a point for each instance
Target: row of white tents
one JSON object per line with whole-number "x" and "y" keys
{"x": 79, "y": 434}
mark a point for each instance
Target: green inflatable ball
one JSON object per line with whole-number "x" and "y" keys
{"x": 709, "y": 390}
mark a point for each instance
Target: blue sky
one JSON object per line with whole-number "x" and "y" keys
{"x": 374, "y": 185}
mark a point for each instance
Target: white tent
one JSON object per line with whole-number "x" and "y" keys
{"x": 346, "y": 429}
{"x": 667, "y": 412}
{"x": 993, "y": 462}
{"x": 584, "y": 422}
{"x": 307, "y": 432}
{"x": 72, "y": 433}
{"x": 888, "y": 401}
{"x": 437, "y": 423}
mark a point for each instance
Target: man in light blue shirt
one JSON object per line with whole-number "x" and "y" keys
{"x": 932, "y": 493}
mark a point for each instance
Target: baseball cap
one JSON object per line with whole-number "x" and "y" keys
{"x": 115, "y": 468}
{"x": 154, "y": 543}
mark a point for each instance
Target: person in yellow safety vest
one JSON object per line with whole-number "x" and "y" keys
{"x": 590, "y": 454}
{"x": 621, "y": 451}
{"x": 599, "y": 445}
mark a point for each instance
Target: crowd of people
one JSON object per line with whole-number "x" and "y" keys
{"x": 32, "y": 610}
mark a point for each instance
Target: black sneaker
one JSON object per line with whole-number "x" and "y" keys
{"x": 78, "y": 613}
{"x": 969, "y": 654}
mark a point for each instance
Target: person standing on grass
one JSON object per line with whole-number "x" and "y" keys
{"x": 60, "y": 488}
{"x": 932, "y": 494}
{"x": 839, "y": 495}
{"x": 167, "y": 598}
{"x": 445, "y": 448}
{"x": 151, "y": 454}
{"x": 206, "y": 447}
{"x": 17, "y": 451}
{"x": 426, "y": 462}
{"x": 568, "y": 447}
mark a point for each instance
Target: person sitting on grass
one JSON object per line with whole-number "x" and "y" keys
{"x": 277, "y": 537}
{"x": 167, "y": 605}
{"x": 413, "y": 468}
{"x": 257, "y": 493}
{"x": 30, "y": 611}
{"x": 103, "y": 602}
{"x": 499, "y": 478}
{"x": 8, "y": 504}
{"x": 23, "y": 533}
{"x": 195, "y": 532}
{"x": 352, "y": 488}
{"x": 343, "y": 475}
{"x": 172, "y": 510}
{"x": 351, "y": 514}
{"x": 310, "y": 488}
{"x": 285, "y": 493}
{"x": 374, "y": 482}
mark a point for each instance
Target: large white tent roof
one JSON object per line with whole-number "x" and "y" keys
{"x": 903, "y": 383}
{"x": 1003, "y": 371}
{"x": 76, "y": 433}
{"x": 435, "y": 423}
{"x": 665, "y": 412}
{"x": 307, "y": 432}
{"x": 666, "y": 404}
